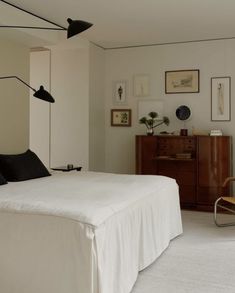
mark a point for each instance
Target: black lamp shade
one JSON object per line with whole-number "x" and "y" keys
{"x": 43, "y": 95}
{"x": 76, "y": 27}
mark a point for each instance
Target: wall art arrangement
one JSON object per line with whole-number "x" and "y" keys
{"x": 120, "y": 92}
{"x": 182, "y": 81}
{"x": 221, "y": 98}
{"x": 141, "y": 85}
{"x": 120, "y": 117}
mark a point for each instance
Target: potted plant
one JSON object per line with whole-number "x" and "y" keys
{"x": 153, "y": 122}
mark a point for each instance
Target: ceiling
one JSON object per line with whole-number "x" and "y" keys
{"x": 125, "y": 23}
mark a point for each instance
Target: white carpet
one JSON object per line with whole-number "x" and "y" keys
{"x": 201, "y": 260}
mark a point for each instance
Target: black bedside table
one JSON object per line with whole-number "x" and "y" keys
{"x": 67, "y": 168}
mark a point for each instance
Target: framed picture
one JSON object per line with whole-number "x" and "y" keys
{"x": 221, "y": 98}
{"x": 141, "y": 85}
{"x": 119, "y": 92}
{"x": 147, "y": 106}
{"x": 121, "y": 117}
{"x": 182, "y": 81}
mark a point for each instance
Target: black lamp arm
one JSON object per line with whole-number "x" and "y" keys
{"x": 13, "y": 76}
{"x": 40, "y": 94}
{"x": 34, "y": 27}
{"x": 51, "y": 22}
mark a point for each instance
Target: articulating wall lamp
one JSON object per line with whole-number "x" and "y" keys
{"x": 40, "y": 94}
{"x": 75, "y": 26}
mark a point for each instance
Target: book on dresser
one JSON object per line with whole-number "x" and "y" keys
{"x": 199, "y": 164}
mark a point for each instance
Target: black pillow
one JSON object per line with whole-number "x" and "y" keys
{"x": 22, "y": 167}
{"x": 2, "y": 180}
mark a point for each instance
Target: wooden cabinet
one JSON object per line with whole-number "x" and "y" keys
{"x": 214, "y": 165}
{"x": 198, "y": 163}
{"x": 146, "y": 148}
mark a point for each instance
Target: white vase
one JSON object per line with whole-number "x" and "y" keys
{"x": 150, "y": 131}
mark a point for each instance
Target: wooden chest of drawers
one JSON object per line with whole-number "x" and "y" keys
{"x": 198, "y": 163}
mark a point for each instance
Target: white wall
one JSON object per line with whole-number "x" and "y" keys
{"x": 97, "y": 109}
{"x": 75, "y": 74}
{"x": 14, "y": 97}
{"x": 214, "y": 58}
{"x": 39, "y": 137}
{"x": 70, "y": 112}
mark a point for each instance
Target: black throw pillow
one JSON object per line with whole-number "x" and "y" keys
{"x": 2, "y": 180}
{"x": 22, "y": 166}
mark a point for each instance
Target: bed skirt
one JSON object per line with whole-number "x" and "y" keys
{"x": 50, "y": 254}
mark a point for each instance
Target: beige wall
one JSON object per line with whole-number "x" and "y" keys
{"x": 70, "y": 112}
{"x": 97, "y": 110}
{"x": 75, "y": 74}
{"x": 39, "y": 134}
{"x": 112, "y": 149}
{"x": 14, "y": 98}
{"x": 214, "y": 58}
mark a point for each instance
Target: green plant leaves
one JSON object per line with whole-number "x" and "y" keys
{"x": 153, "y": 122}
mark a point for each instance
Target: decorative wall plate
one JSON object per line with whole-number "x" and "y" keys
{"x": 183, "y": 113}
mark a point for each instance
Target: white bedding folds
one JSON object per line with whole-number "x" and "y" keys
{"x": 84, "y": 232}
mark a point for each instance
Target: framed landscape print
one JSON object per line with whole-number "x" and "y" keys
{"x": 121, "y": 117}
{"x": 182, "y": 81}
{"x": 221, "y": 98}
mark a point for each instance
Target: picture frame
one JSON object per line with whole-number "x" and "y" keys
{"x": 221, "y": 98}
{"x": 121, "y": 117}
{"x": 120, "y": 92}
{"x": 147, "y": 106}
{"x": 141, "y": 85}
{"x": 182, "y": 81}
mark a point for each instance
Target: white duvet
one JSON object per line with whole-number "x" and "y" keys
{"x": 87, "y": 197}
{"x": 122, "y": 224}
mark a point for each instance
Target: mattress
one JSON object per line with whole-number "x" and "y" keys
{"x": 84, "y": 232}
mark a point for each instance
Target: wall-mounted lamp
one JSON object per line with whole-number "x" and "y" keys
{"x": 40, "y": 94}
{"x": 75, "y": 26}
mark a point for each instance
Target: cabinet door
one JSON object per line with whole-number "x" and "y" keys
{"x": 213, "y": 167}
{"x": 184, "y": 172}
{"x": 145, "y": 155}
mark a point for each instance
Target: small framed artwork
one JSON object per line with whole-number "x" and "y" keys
{"x": 221, "y": 98}
{"x": 182, "y": 81}
{"x": 147, "y": 106}
{"x": 120, "y": 117}
{"x": 120, "y": 92}
{"x": 141, "y": 85}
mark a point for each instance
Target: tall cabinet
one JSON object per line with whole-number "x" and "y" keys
{"x": 198, "y": 163}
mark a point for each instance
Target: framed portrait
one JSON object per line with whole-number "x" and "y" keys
{"x": 182, "y": 81}
{"x": 221, "y": 98}
{"x": 120, "y": 117}
{"x": 120, "y": 92}
{"x": 141, "y": 85}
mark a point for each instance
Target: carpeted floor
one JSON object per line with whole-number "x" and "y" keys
{"x": 202, "y": 260}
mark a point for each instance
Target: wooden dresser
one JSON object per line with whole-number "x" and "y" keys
{"x": 198, "y": 163}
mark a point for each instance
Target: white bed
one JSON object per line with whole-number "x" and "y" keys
{"x": 84, "y": 232}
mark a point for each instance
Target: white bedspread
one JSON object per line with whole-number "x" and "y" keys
{"x": 123, "y": 223}
{"x": 87, "y": 197}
